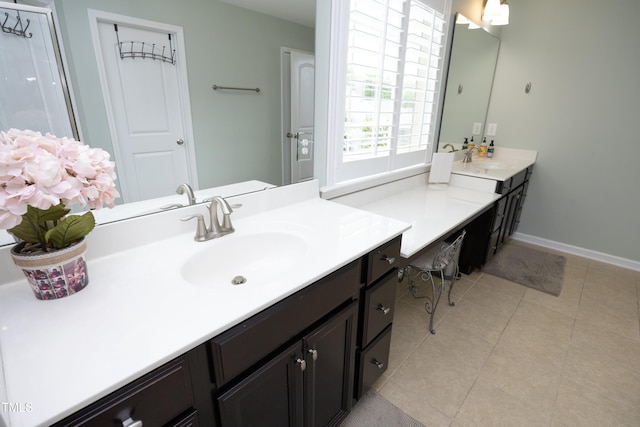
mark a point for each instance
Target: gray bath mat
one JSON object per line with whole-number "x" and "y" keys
{"x": 373, "y": 410}
{"x": 529, "y": 267}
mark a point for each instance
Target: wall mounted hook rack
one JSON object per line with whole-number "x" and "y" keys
{"x": 136, "y": 49}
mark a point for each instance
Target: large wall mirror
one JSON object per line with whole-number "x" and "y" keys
{"x": 237, "y": 136}
{"x": 472, "y": 63}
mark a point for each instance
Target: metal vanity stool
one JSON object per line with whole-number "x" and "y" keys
{"x": 442, "y": 261}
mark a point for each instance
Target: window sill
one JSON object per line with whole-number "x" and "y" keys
{"x": 352, "y": 186}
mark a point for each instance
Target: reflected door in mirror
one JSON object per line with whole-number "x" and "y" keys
{"x": 302, "y": 102}
{"x": 144, "y": 109}
{"x": 33, "y": 91}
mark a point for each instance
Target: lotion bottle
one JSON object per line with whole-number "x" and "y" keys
{"x": 490, "y": 149}
{"x": 483, "y": 147}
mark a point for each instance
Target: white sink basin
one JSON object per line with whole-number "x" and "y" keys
{"x": 250, "y": 258}
{"x": 489, "y": 165}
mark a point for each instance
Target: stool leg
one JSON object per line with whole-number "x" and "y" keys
{"x": 431, "y": 305}
{"x": 454, "y": 277}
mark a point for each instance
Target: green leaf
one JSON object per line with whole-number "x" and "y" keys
{"x": 69, "y": 230}
{"x": 35, "y": 223}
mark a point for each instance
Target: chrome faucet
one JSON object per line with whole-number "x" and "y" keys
{"x": 449, "y": 146}
{"x": 215, "y": 228}
{"x": 467, "y": 155}
{"x": 186, "y": 188}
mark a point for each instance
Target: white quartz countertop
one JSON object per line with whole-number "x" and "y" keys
{"x": 433, "y": 210}
{"x": 138, "y": 312}
{"x": 503, "y": 165}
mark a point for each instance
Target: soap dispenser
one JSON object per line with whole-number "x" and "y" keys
{"x": 465, "y": 144}
{"x": 483, "y": 147}
{"x": 490, "y": 149}
{"x": 471, "y": 144}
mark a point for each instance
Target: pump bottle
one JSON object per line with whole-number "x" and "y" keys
{"x": 483, "y": 147}
{"x": 490, "y": 149}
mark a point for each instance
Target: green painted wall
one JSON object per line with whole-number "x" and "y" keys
{"x": 237, "y": 136}
{"x": 582, "y": 115}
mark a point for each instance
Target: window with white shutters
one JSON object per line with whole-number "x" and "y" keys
{"x": 394, "y": 58}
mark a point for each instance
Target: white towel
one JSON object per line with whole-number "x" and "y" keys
{"x": 441, "y": 164}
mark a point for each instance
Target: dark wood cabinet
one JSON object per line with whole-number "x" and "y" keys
{"x": 307, "y": 384}
{"x": 297, "y": 363}
{"x": 328, "y": 379}
{"x": 272, "y": 395}
{"x": 507, "y": 210}
{"x": 162, "y": 398}
{"x": 377, "y": 306}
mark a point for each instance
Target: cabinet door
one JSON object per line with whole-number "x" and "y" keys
{"x": 328, "y": 379}
{"x": 271, "y": 396}
{"x": 512, "y": 210}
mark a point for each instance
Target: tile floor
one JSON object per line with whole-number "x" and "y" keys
{"x": 507, "y": 355}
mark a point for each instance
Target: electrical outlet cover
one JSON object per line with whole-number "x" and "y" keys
{"x": 477, "y": 128}
{"x": 491, "y": 129}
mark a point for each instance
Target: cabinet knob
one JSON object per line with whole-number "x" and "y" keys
{"x": 314, "y": 354}
{"x": 383, "y": 309}
{"x": 390, "y": 260}
{"x": 380, "y": 365}
{"x": 302, "y": 363}
{"x": 130, "y": 422}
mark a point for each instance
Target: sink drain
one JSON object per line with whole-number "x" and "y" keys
{"x": 238, "y": 280}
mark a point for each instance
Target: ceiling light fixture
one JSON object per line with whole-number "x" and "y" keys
{"x": 496, "y": 12}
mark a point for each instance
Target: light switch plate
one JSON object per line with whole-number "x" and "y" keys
{"x": 491, "y": 129}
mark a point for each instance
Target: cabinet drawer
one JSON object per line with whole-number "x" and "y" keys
{"x": 242, "y": 346}
{"x": 519, "y": 178}
{"x": 162, "y": 398}
{"x": 379, "y": 306}
{"x": 373, "y": 362}
{"x": 383, "y": 259}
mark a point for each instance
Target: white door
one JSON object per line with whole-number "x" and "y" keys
{"x": 302, "y": 102}
{"x": 145, "y": 106}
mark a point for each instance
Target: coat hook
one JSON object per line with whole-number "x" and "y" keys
{"x": 527, "y": 88}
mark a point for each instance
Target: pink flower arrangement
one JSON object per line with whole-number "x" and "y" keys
{"x": 39, "y": 175}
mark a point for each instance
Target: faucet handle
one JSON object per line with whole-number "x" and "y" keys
{"x": 170, "y": 206}
{"x": 201, "y": 228}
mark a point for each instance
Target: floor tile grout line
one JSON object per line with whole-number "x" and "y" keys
{"x": 563, "y": 372}
{"x": 485, "y": 363}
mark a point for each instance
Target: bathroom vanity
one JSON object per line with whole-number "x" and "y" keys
{"x": 485, "y": 197}
{"x": 507, "y": 175}
{"x": 150, "y": 340}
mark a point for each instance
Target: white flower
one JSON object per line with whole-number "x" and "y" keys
{"x": 43, "y": 171}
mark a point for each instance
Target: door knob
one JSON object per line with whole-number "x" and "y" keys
{"x": 180, "y": 141}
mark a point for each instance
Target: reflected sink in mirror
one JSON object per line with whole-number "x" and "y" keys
{"x": 258, "y": 257}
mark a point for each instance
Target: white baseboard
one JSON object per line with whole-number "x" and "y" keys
{"x": 587, "y": 253}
